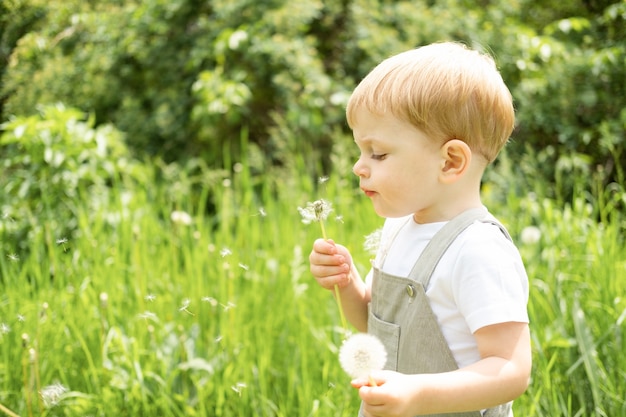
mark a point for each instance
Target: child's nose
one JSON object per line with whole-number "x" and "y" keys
{"x": 359, "y": 169}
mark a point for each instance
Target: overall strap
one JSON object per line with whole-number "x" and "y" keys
{"x": 425, "y": 265}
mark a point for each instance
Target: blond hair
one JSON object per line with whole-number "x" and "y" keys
{"x": 446, "y": 90}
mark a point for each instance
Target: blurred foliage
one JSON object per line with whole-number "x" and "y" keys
{"x": 186, "y": 78}
{"x": 55, "y": 163}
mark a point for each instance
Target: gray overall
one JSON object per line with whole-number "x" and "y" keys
{"x": 401, "y": 317}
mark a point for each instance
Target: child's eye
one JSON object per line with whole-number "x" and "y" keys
{"x": 379, "y": 157}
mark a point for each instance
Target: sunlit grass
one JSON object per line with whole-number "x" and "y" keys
{"x": 142, "y": 313}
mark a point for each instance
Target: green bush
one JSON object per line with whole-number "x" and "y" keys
{"x": 55, "y": 162}
{"x": 189, "y": 78}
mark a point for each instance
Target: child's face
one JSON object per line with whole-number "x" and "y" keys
{"x": 398, "y": 167}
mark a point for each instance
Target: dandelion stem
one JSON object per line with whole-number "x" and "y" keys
{"x": 343, "y": 317}
{"x": 323, "y": 229}
{"x": 344, "y": 323}
{"x": 372, "y": 381}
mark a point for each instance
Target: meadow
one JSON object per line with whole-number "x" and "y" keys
{"x": 156, "y": 308}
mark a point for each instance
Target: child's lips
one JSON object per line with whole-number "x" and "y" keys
{"x": 367, "y": 192}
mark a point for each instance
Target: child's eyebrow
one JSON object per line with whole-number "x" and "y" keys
{"x": 366, "y": 141}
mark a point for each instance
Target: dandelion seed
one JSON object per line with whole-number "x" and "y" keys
{"x": 212, "y": 301}
{"x": 180, "y": 217}
{"x": 228, "y": 306}
{"x": 244, "y": 267}
{"x": 148, "y": 315}
{"x": 150, "y": 297}
{"x": 4, "y": 328}
{"x": 21, "y": 318}
{"x": 225, "y": 252}
{"x": 261, "y": 212}
{"x": 218, "y": 339}
{"x": 13, "y": 257}
{"x": 361, "y": 354}
{"x": 185, "y": 306}
{"x": 51, "y": 395}
{"x": 62, "y": 241}
{"x": 339, "y": 219}
{"x": 323, "y": 179}
{"x": 238, "y": 387}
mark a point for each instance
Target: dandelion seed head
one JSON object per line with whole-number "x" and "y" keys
{"x": 51, "y": 395}
{"x": 530, "y": 235}
{"x": 361, "y": 354}
{"x": 104, "y": 300}
{"x": 180, "y": 217}
{"x": 372, "y": 241}
{"x": 316, "y": 211}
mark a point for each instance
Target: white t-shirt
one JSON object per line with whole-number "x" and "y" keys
{"x": 479, "y": 281}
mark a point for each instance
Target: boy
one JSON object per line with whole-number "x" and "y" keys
{"x": 447, "y": 292}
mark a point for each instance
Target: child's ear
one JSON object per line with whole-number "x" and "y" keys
{"x": 456, "y": 157}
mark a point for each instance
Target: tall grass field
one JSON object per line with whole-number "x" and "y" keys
{"x": 156, "y": 308}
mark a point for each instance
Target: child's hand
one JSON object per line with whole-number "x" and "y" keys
{"x": 393, "y": 394}
{"x": 330, "y": 264}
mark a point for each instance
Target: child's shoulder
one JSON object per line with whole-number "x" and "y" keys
{"x": 485, "y": 238}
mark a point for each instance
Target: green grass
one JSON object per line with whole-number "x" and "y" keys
{"x": 138, "y": 315}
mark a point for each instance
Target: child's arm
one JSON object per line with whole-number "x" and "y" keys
{"x": 331, "y": 264}
{"x": 499, "y": 377}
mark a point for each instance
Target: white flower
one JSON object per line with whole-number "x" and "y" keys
{"x": 361, "y": 354}
{"x": 316, "y": 211}
{"x": 530, "y": 235}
